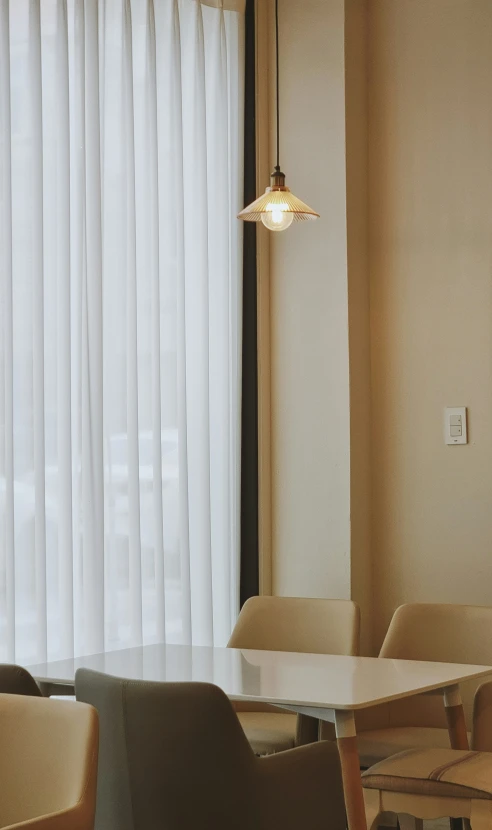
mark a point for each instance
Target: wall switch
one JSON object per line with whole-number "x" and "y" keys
{"x": 455, "y": 427}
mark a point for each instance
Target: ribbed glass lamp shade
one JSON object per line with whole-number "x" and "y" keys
{"x": 278, "y": 207}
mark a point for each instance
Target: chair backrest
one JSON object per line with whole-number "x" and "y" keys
{"x": 311, "y": 626}
{"x": 14, "y": 680}
{"x": 441, "y": 633}
{"x": 171, "y": 755}
{"x": 48, "y": 762}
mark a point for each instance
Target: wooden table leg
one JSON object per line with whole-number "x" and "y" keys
{"x": 455, "y": 716}
{"x": 349, "y": 759}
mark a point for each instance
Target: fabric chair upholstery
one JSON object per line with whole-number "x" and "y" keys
{"x": 443, "y": 773}
{"x": 377, "y": 744}
{"x": 430, "y": 784}
{"x": 48, "y": 766}
{"x": 173, "y": 755}
{"x": 14, "y": 680}
{"x": 436, "y": 781}
{"x": 298, "y": 624}
{"x": 438, "y": 633}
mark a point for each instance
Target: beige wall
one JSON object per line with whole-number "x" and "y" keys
{"x": 312, "y": 275}
{"x": 426, "y": 142}
{"x": 310, "y": 387}
{"x": 430, "y": 104}
{"x": 357, "y": 195}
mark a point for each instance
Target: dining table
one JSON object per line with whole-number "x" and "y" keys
{"x": 325, "y": 686}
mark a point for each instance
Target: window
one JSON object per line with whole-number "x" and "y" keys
{"x": 120, "y": 306}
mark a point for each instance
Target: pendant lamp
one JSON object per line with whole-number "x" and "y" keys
{"x": 278, "y": 207}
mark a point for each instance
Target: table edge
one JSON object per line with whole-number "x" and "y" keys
{"x": 281, "y": 703}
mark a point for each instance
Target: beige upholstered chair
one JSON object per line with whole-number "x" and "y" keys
{"x": 435, "y": 783}
{"x": 173, "y": 755}
{"x": 431, "y": 784}
{"x": 441, "y": 633}
{"x": 311, "y": 626}
{"x": 48, "y": 763}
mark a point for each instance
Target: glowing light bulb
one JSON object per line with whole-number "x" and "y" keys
{"x": 277, "y": 216}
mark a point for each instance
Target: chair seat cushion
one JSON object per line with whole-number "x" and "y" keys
{"x": 377, "y": 744}
{"x": 446, "y": 773}
{"x": 269, "y": 732}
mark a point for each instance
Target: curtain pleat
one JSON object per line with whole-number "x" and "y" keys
{"x": 37, "y": 286}
{"x": 7, "y": 531}
{"x": 235, "y": 33}
{"x": 229, "y": 5}
{"x": 77, "y": 264}
{"x": 64, "y": 329}
{"x": 135, "y": 570}
{"x": 219, "y": 206}
{"x": 92, "y": 351}
{"x": 174, "y": 141}
{"x": 120, "y": 271}
{"x": 154, "y": 271}
{"x": 197, "y": 288}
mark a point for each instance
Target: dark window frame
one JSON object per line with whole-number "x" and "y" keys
{"x": 249, "y": 567}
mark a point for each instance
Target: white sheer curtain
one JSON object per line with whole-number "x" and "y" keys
{"x": 120, "y": 264}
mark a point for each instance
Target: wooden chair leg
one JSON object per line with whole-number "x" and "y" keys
{"x": 372, "y": 806}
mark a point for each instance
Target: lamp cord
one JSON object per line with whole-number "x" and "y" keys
{"x": 277, "y": 82}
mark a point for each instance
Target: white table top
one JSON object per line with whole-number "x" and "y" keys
{"x": 311, "y": 680}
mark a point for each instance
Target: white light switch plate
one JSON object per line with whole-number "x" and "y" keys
{"x": 455, "y": 426}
